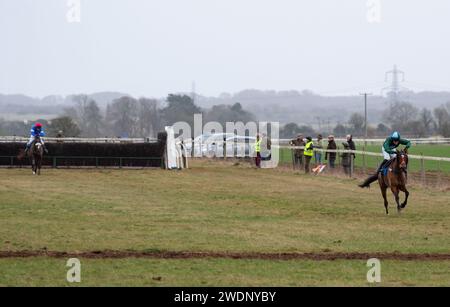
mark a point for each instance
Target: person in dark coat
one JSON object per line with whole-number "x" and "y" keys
{"x": 351, "y": 144}
{"x": 346, "y": 159}
{"x": 331, "y": 156}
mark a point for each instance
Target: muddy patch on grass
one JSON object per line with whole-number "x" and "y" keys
{"x": 111, "y": 254}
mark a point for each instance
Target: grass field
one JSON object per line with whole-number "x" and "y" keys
{"x": 415, "y": 165}
{"x": 214, "y": 207}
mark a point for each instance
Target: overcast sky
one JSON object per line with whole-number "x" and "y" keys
{"x": 154, "y": 47}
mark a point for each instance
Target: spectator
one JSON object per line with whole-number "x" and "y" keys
{"x": 331, "y": 156}
{"x": 266, "y": 148}
{"x": 346, "y": 159}
{"x": 308, "y": 153}
{"x": 318, "y": 154}
{"x": 298, "y": 153}
{"x": 258, "y": 151}
{"x": 351, "y": 144}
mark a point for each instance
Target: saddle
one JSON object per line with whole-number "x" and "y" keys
{"x": 385, "y": 169}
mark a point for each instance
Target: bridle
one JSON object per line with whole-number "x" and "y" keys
{"x": 37, "y": 142}
{"x": 402, "y": 161}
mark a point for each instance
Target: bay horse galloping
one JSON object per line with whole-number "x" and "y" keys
{"x": 394, "y": 176}
{"x": 36, "y": 155}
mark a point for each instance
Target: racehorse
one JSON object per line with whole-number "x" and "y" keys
{"x": 395, "y": 177}
{"x": 36, "y": 155}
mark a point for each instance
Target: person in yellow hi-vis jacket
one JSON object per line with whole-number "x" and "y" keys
{"x": 308, "y": 152}
{"x": 258, "y": 151}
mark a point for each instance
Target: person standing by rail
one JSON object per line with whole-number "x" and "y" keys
{"x": 298, "y": 153}
{"x": 330, "y": 156}
{"x": 351, "y": 145}
{"x": 258, "y": 151}
{"x": 346, "y": 159}
{"x": 318, "y": 154}
{"x": 308, "y": 152}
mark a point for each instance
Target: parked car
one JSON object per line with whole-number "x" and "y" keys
{"x": 211, "y": 145}
{"x": 207, "y": 144}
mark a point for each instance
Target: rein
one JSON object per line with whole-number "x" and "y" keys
{"x": 397, "y": 169}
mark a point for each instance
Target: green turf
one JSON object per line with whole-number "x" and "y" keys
{"x": 214, "y": 206}
{"x": 211, "y": 208}
{"x": 221, "y": 272}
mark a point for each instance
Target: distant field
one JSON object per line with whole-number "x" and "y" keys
{"x": 372, "y": 162}
{"x": 214, "y": 207}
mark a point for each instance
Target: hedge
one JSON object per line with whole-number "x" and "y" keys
{"x": 92, "y": 154}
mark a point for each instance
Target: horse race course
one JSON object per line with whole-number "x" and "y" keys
{"x": 216, "y": 224}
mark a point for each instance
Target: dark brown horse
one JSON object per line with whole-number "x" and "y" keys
{"x": 396, "y": 179}
{"x": 36, "y": 154}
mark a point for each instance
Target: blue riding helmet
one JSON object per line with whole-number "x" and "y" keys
{"x": 395, "y": 136}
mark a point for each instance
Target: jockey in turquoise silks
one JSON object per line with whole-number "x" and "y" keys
{"x": 389, "y": 152}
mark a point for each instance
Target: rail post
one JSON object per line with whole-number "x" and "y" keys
{"x": 293, "y": 159}
{"x": 224, "y": 148}
{"x": 338, "y": 156}
{"x": 422, "y": 168}
{"x": 351, "y": 165}
{"x": 439, "y": 174}
{"x": 54, "y": 162}
{"x": 364, "y": 160}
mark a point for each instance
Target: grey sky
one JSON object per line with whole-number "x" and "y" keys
{"x": 154, "y": 47}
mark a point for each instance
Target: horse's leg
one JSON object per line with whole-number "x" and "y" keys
{"x": 403, "y": 189}
{"x": 383, "y": 189}
{"x": 396, "y": 192}
{"x": 33, "y": 165}
{"x": 38, "y": 166}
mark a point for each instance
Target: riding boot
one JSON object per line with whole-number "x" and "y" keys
{"x": 382, "y": 165}
{"x": 26, "y": 150}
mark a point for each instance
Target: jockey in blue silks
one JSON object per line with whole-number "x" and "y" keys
{"x": 36, "y": 131}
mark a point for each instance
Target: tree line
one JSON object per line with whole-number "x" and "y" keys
{"x": 127, "y": 117}
{"x": 145, "y": 117}
{"x": 399, "y": 116}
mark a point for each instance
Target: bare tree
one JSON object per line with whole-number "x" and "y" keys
{"x": 442, "y": 115}
{"x": 356, "y": 123}
{"x": 426, "y": 121}
{"x": 400, "y": 114}
{"x": 122, "y": 117}
{"x": 149, "y": 120}
{"x": 86, "y": 114}
{"x": 65, "y": 124}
